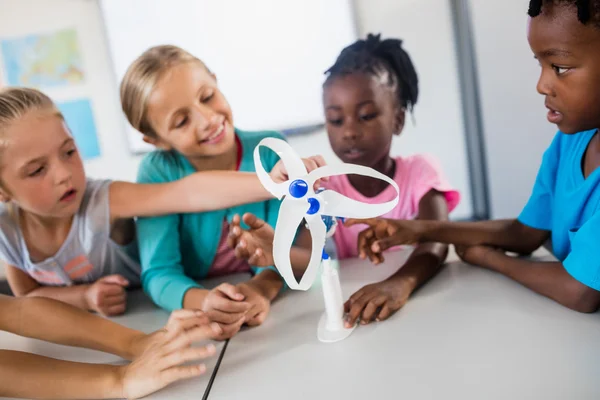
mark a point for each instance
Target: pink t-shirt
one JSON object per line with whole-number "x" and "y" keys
{"x": 226, "y": 262}
{"x": 415, "y": 175}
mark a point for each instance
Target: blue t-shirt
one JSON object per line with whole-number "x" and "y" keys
{"x": 566, "y": 203}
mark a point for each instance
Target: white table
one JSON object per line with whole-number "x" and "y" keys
{"x": 468, "y": 334}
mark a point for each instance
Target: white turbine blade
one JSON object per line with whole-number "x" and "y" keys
{"x": 338, "y": 205}
{"x": 318, "y": 231}
{"x": 292, "y": 161}
{"x": 291, "y": 214}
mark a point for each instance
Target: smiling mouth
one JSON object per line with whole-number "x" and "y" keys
{"x": 215, "y": 136}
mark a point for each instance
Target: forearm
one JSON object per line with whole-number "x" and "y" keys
{"x": 215, "y": 190}
{"x": 199, "y": 192}
{"x": 24, "y": 375}
{"x": 73, "y": 295}
{"x": 194, "y": 298}
{"x": 269, "y": 283}
{"x": 60, "y": 323}
{"x": 549, "y": 279}
{"x": 508, "y": 234}
{"x": 425, "y": 261}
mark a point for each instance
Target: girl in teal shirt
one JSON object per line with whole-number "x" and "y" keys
{"x": 172, "y": 98}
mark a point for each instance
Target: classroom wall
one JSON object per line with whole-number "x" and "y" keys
{"x": 516, "y": 131}
{"x": 390, "y": 17}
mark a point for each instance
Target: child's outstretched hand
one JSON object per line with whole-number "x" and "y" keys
{"x": 377, "y": 301}
{"x": 179, "y": 320}
{"x": 279, "y": 172}
{"x": 255, "y": 244}
{"x": 161, "y": 363}
{"x": 107, "y": 295}
{"x": 382, "y": 234}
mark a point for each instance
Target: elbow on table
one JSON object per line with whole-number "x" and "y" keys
{"x": 584, "y": 300}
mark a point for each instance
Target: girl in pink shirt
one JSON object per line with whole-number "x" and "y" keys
{"x": 365, "y": 96}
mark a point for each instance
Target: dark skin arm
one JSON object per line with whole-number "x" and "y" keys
{"x": 380, "y": 300}
{"x": 510, "y": 234}
{"x": 549, "y": 279}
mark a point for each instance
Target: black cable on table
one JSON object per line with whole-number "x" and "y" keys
{"x": 214, "y": 373}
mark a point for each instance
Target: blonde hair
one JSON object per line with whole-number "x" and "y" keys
{"x": 16, "y": 102}
{"x": 141, "y": 78}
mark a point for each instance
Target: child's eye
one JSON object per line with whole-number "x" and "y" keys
{"x": 71, "y": 152}
{"x": 335, "y": 122}
{"x": 36, "y": 172}
{"x": 181, "y": 123}
{"x": 207, "y": 98}
{"x": 368, "y": 117}
{"x": 560, "y": 70}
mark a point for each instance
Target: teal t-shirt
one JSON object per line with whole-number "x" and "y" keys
{"x": 178, "y": 250}
{"x": 567, "y": 204}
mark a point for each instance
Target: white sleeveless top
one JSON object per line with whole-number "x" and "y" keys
{"x": 87, "y": 254}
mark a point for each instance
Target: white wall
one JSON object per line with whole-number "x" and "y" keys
{"x": 516, "y": 131}
{"x": 23, "y": 17}
{"x": 434, "y": 56}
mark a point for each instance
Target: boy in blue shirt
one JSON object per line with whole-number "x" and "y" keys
{"x": 564, "y": 36}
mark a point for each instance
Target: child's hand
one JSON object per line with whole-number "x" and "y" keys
{"x": 377, "y": 301}
{"x": 260, "y": 303}
{"x": 180, "y": 320}
{"x": 161, "y": 363}
{"x": 473, "y": 254}
{"x": 107, "y": 295}
{"x": 383, "y": 234}
{"x": 255, "y": 244}
{"x": 279, "y": 172}
{"x": 227, "y": 306}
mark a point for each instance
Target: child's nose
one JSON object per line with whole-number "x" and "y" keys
{"x": 544, "y": 85}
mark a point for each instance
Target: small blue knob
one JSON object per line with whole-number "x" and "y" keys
{"x": 298, "y": 188}
{"x": 324, "y": 255}
{"x": 314, "y": 206}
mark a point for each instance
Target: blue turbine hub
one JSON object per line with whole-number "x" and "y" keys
{"x": 298, "y": 188}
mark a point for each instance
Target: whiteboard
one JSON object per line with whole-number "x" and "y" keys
{"x": 269, "y": 55}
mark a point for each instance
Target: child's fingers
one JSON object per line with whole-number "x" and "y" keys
{"x": 185, "y": 313}
{"x": 114, "y": 300}
{"x": 174, "y": 374}
{"x": 364, "y": 239}
{"x": 231, "y": 329}
{"x": 356, "y": 308}
{"x": 256, "y": 257}
{"x": 115, "y": 279}
{"x": 253, "y": 221}
{"x": 187, "y": 354}
{"x": 188, "y": 323}
{"x": 183, "y": 339}
{"x": 370, "y": 309}
{"x": 115, "y": 310}
{"x": 385, "y": 313}
{"x": 225, "y": 318}
{"x": 230, "y": 291}
{"x": 111, "y": 290}
{"x": 236, "y": 219}
{"x": 258, "y": 319}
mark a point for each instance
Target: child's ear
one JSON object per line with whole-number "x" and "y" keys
{"x": 399, "y": 120}
{"x": 156, "y": 142}
{"x": 4, "y": 196}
